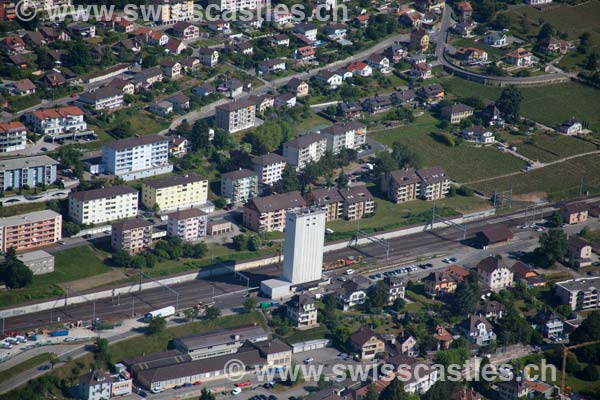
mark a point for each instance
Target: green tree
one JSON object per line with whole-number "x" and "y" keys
{"x": 399, "y": 304}
{"x": 509, "y": 103}
{"x": 589, "y": 373}
{"x": 102, "y": 354}
{"x": 14, "y": 272}
{"x": 405, "y": 156}
{"x": 546, "y": 31}
{"x": 206, "y": 394}
{"x": 592, "y": 62}
{"x": 466, "y": 296}
{"x": 254, "y": 243}
{"x": 69, "y": 229}
{"x": 156, "y": 326}
{"x": 553, "y": 246}
{"x": 240, "y": 242}
{"x": 394, "y": 391}
{"x": 289, "y": 181}
{"x": 213, "y": 312}
{"x": 343, "y": 180}
{"x": 249, "y": 304}
{"x": 555, "y": 220}
{"x": 377, "y": 295}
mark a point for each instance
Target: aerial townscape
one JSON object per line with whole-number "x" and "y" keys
{"x": 363, "y": 200}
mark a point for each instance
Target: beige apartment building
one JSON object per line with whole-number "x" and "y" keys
{"x": 302, "y": 311}
{"x": 175, "y": 192}
{"x": 103, "y": 205}
{"x": 268, "y": 213}
{"x": 189, "y": 225}
{"x": 328, "y": 198}
{"x": 30, "y": 231}
{"x": 132, "y": 235}
{"x": 402, "y": 185}
{"x": 494, "y": 273}
{"x": 358, "y": 202}
{"x": 435, "y": 183}
{"x": 269, "y": 168}
{"x": 236, "y": 116}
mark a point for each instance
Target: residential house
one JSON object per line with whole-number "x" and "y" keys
{"x": 12, "y": 45}
{"x": 95, "y": 385}
{"x": 161, "y": 108}
{"x": 332, "y": 79}
{"x": 328, "y": 198}
{"x": 124, "y": 26}
{"x": 520, "y": 387}
{"x": 439, "y": 283}
{"x": 495, "y": 39}
{"x": 189, "y": 225}
{"x": 236, "y": 115}
{"x": 478, "y": 134}
{"x": 430, "y": 5}
{"x": 407, "y": 345}
{"x": 419, "y": 39}
{"x": 403, "y": 96}
{"x": 104, "y": 98}
{"x": 431, "y": 93}
{"x": 22, "y": 87}
{"x": 549, "y": 324}
{"x": 298, "y": 86}
{"x": 494, "y": 273}
{"x": 208, "y": 56}
{"x": 574, "y": 213}
{"x": 471, "y": 55}
{"x": 180, "y": 101}
{"x": 359, "y": 68}
{"x": 443, "y": 337}
{"x": 52, "y": 34}
{"x": 457, "y": 272}
{"x": 421, "y": 71}
{"x": 18, "y": 61}
{"x": 262, "y": 102}
{"x": 285, "y": 100}
{"x": 396, "y": 52}
{"x": 305, "y": 53}
{"x": 358, "y": 202}
{"x": 461, "y": 393}
{"x": 268, "y": 213}
{"x": 269, "y": 168}
{"x": 170, "y": 68}
{"x": 349, "y": 110}
{"x": 401, "y": 185}
{"x": 411, "y": 18}
{"x": 335, "y": 30}
{"x": 362, "y": 21}
{"x": 478, "y": 330}
{"x": 349, "y": 294}
{"x": 519, "y": 57}
{"x": 270, "y": 66}
{"x": 239, "y": 186}
{"x": 219, "y": 25}
{"x": 13, "y": 136}
{"x": 464, "y": 11}
{"x": 157, "y": 38}
{"x": 490, "y": 309}
{"x": 349, "y": 135}
{"x": 307, "y": 29}
{"x": 280, "y": 40}
{"x": 379, "y": 62}
{"x": 175, "y": 46}
{"x": 367, "y": 343}
{"x": 302, "y": 311}
{"x": 579, "y": 251}
{"x": 190, "y": 64}
{"x": 232, "y": 88}
{"x": 179, "y": 146}
{"x": 464, "y": 28}
{"x": 131, "y": 235}
{"x": 55, "y": 122}
{"x": 304, "y": 149}
{"x": 146, "y": 78}
{"x": 175, "y": 192}
{"x": 131, "y": 45}
{"x": 33, "y": 38}
{"x": 571, "y": 127}
{"x": 395, "y": 287}
{"x": 245, "y": 48}
{"x": 523, "y": 272}
{"x": 377, "y": 104}
{"x": 185, "y": 31}
{"x": 98, "y": 206}
{"x": 492, "y": 115}
{"x": 82, "y": 30}
{"x": 457, "y": 112}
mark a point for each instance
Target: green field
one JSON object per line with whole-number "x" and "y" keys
{"x": 24, "y": 366}
{"x": 558, "y": 181}
{"x": 550, "y": 105}
{"x": 467, "y": 42}
{"x": 547, "y": 148}
{"x": 70, "y": 265}
{"x": 9, "y": 211}
{"x": 463, "y": 163}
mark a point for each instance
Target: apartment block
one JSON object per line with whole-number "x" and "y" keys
{"x": 175, "y": 192}
{"x": 132, "y": 235}
{"x": 494, "y": 273}
{"x": 236, "y": 115}
{"x": 104, "y": 98}
{"x": 13, "y": 137}
{"x": 305, "y": 149}
{"x": 268, "y": 213}
{"x": 54, "y": 122}
{"x": 328, "y": 198}
{"x": 237, "y": 5}
{"x": 580, "y": 294}
{"x": 30, "y": 231}
{"x": 350, "y": 135}
{"x": 239, "y": 186}
{"x": 302, "y": 311}
{"x": 173, "y": 11}
{"x": 269, "y": 168}
{"x": 137, "y": 158}
{"x": 189, "y": 225}
{"x": 30, "y": 171}
{"x": 435, "y": 183}
{"x": 358, "y": 202}
{"x": 402, "y": 185}
{"x": 103, "y": 205}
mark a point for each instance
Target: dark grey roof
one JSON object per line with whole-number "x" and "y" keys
{"x": 305, "y": 140}
{"x": 176, "y": 180}
{"x": 186, "y": 214}
{"x": 129, "y": 224}
{"x": 101, "y": 193}
{"x": 267, "y": 159}
{"x": 342, "y": 128}
{"x": 136, "y": 141}
{"x": 102, "y": 93}
{"x": 239, "y": 174}
{"x": 276, "y": 202}
{"x": 220, "y": 336}
{"x": 456, "y": 108}
{"x": 236, "y": 105}
{"x": 432, "y": 174}
{"x": 405, "y": 176}
{"x": 356, "y": 194}
{"x": 490, "y": 264}
{"x": 325, "y": 196}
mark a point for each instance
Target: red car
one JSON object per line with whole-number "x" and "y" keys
{"x": 197, "y": 383}
{"x": 243, "y": 384}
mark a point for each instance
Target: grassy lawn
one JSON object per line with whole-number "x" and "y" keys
{"x": 313, "y": 123}
{"x": 558, "y": 181}
{"x": 17, "y": 103}
{"x": 546, "y": 148}
{"x": 550, "y": 105}
{"x": 24, "y": 366}
{"x": 463, "y": 163}
{"x": 467, "y": 42}
{"x": 311, "y": 334}
{"x": 72, "y": 264}
{"x": 9, "y": 211}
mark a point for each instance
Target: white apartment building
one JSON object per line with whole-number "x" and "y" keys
{"x": 55, "y": 121}
{"x": 13, "y": 137}
{"x": 137, "y": 158}
{"x": 351, "y": 135}
{"x": 189, "y": 225}
{"x": 305, "y": 149}
{"x": 269, "y": 168}
{"x": 303, "y": 245}
{"x": 302, "y": 311}
{"x": 104, "y": 98}
{"x": 103, "y": 205}
{"x": 579, "y": 294}
{"x": 494, "y": 273}
{"x": 236, "y": 115}
{"x": 239, "y": 186}
{"x": 236, "y": 5}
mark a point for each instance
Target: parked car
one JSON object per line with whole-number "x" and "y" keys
{"x": 308, "y": 360}
{"x": 236, "y": 391}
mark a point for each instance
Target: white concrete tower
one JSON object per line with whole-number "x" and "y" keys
{"x": 303, "y": 246}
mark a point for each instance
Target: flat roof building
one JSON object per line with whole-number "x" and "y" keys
{"x": 30, "y": 231}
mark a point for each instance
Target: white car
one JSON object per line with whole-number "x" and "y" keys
{"x": 308, "y": 360}
{"x": 236, "y": 391}
{"x": 446, "y": 260}
{"x": 349, "y": 271}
